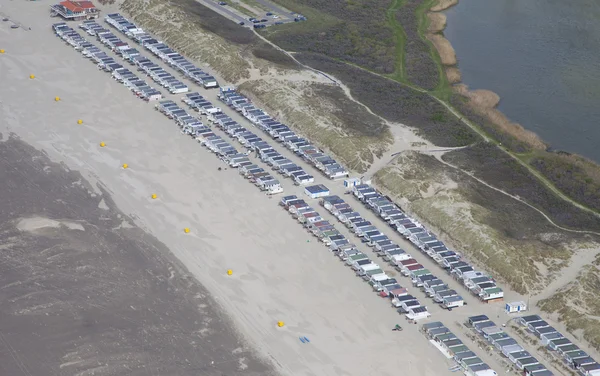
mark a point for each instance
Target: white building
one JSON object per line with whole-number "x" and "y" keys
{"x": 514, "y": 307}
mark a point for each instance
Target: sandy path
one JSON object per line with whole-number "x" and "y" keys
{"x": 277, "y": 274}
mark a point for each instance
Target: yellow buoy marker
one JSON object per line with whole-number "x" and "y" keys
{"x": 154, "y": 196}
{"x": 125, "y": 165}
{"x": 32, "y": 76}
{"x": 79, "y": 121}
{"x": 280, "y": 324}
{"x": 186, "y": 230}
{"x": 229, "y": 272}
{"x": 56, "y": 99}
{"x": 1, "y": 51}
{"x": 102, "y": 144}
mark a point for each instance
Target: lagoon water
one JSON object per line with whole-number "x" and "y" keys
{"x": 542, "y": 57}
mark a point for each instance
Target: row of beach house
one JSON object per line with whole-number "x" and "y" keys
{"x": 391, "y": 252}
{"x": 133, "y": 56}
{"x": 252, "y": 141}
{"x": 161, "y": 50}
{"x": 283, "y": 134}
{"x": 105, "y": 62}
{"x": 223, "y": 149}
{"x": 573, "y": 356}
{"x": 259, "y": 118}
{"x": 465, "y": 359}
{"x": 363, "y": 267}
{"x": 478, "y": 283}
{"x": 507, "y": 346}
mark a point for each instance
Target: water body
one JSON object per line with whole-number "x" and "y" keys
{"x": 542, "y": 57}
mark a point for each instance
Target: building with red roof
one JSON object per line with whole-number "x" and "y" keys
{"x": 75, "y": 10}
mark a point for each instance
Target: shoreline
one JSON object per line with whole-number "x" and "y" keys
{"x": 482, "y": 101}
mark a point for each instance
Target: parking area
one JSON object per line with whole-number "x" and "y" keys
{"x": 253, "y": 13}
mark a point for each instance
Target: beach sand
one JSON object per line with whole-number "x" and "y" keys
{"x": 279, "y": 271}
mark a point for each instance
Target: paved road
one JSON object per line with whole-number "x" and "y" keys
{"x": 237, "y": 17}
{"x": 224, "y": 11}
{"x": 276, "y": 9}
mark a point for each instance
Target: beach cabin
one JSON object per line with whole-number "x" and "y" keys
{"x": 545, "y": 330}
{"x": 571, "y": 356}
{"x": 479, "y": 326}
{"x": 417, "y": 313}
{"x": 583, "y": 361}
{"x": 493, "y": 294}
{"x": 525, "y": 362}
{"x": 515, "y": 307}
{"x": 546, "y": 338}
{"x": 480, "y": 370}
{"x": 590, "y": 370}
{"x": 493, "y": 338}
{"x": 487, "y": 332}
{"x": 316, "y": 191}
{"x": 458, "y": 357}
{"x": 453, "y": 302}
{"x": 514, "y": 356}
{"x": 532, "y": 327}
{"x": 471, "y": 362}
{"x": 434, "y": 332}
{"x": 503, "y": 343}
{"x": 476, "y": 319}
{"x": 536, "y": 369}
{"x": 432, "y": 325}
{"x": 507, "y": 350}
{"x": 567, "y": 348}
{"x": 556, "y": 344}
{"x": 525, "y": 320}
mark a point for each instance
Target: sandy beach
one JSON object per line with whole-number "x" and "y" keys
{"x": 280, "y": 272}
{"x": 277, "y": 274}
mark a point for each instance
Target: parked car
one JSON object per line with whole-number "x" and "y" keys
{"x": 264, "y": 20}
{"x": 242, "y": 23}
{"x": 222, "y": 3}
{"x": 252, "y": 19}
{"x": 269, "y": 14}
{"x": 261, "y": 26}
{"x": 275, "y": 16}
{"x": 278, "y": 23}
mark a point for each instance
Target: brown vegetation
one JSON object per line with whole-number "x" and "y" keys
{"x": 444, "y": 48}
{"x": 443, "y": 5}
{"x": 453, "y": 75}
{"x": 437, "y": 22}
